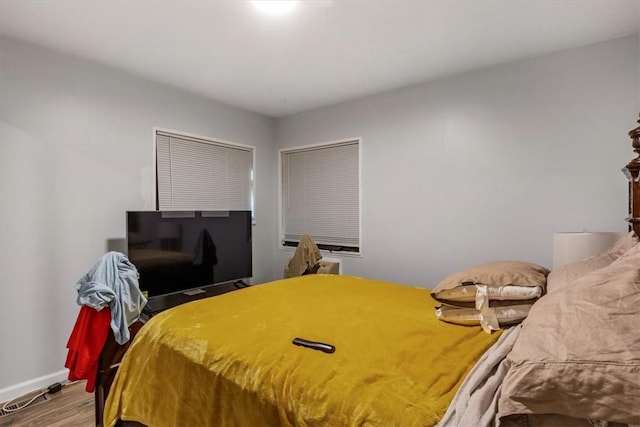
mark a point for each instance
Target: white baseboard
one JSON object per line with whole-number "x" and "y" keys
{"x": 17, "y": 390}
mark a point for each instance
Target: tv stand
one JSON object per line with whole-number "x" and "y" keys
{"x": 161, "y": 303}
{"x": 239, "y": 284}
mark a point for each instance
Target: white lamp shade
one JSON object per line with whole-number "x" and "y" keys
{"x": 572, "y": 247}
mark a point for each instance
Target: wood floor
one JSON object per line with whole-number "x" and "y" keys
{"x": 71, "y": 407}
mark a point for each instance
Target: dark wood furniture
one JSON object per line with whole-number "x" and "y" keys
{"x": 113, "y": 352}
{"x": 632, "y": 170}
{"x": 108, "y": 363}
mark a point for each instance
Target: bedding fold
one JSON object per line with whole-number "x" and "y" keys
{"x": 476, "y": 402}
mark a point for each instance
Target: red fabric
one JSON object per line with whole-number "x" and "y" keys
{"x": 85, "y": 344}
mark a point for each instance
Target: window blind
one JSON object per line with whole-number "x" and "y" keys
{"x": 321, "y": 194}
{"x": 198, "y": 174}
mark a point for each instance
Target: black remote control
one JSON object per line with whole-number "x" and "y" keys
{"x": 327, "y": 348}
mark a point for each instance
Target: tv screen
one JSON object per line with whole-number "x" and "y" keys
{"x": 179, "y": 251}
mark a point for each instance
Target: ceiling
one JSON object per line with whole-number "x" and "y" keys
{"x": 323, "y": 52}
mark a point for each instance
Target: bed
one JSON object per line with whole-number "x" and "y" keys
{"x": 230, "y": 360}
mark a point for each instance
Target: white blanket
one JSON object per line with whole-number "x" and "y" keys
{"x": 476, "y": 402}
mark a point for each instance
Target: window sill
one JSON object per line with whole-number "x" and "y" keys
{"x": 329, "y": 254}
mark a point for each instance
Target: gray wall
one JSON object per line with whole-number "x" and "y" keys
{"x": 486, "y": 165}
{"x": 76, "y": 151}
{"x": 481, "y": 166}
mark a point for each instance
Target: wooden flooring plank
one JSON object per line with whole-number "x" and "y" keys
{"x": 71, "y": 407}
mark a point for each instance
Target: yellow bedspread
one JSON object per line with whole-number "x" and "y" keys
{"x": 229, "y": 360}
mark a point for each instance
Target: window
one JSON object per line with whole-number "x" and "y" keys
{"x": 194, "y": 173}
{"x": 320, "y": 195}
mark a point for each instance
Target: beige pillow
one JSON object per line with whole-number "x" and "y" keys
{"x": 504, "y": 280}
{"x": 560, "y": 277}
{"x": 507, "y": 315}
{"x": 578, "y": 353}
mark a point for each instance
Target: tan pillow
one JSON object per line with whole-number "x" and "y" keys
{"x": 505, "y": 281}
{"x": 560, "y": 277}
{"x": 578, "y": 353}
{"x": 507, "y": 315}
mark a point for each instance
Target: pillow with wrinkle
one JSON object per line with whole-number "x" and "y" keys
{"x": 506, "y": 281}
{"x": 578, "y": 353}
{"x": 505, "y": 315}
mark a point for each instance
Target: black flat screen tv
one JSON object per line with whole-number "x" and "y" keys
{"x": 177, "y": 251}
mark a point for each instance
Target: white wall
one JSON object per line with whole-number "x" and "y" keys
{"x": 486, "y": 165}
{"x": 75, "y": 154}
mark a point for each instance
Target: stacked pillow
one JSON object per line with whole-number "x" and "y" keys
{"x": 491, "y": 295}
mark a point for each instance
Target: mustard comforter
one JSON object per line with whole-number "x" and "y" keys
{"x": 229, "y": 360}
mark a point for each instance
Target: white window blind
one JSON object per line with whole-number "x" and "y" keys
{"x": 198, "y": 174}
{"x": 321, "y": 194}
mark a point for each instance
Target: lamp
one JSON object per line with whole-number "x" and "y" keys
{"x": 570, "y": 247}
